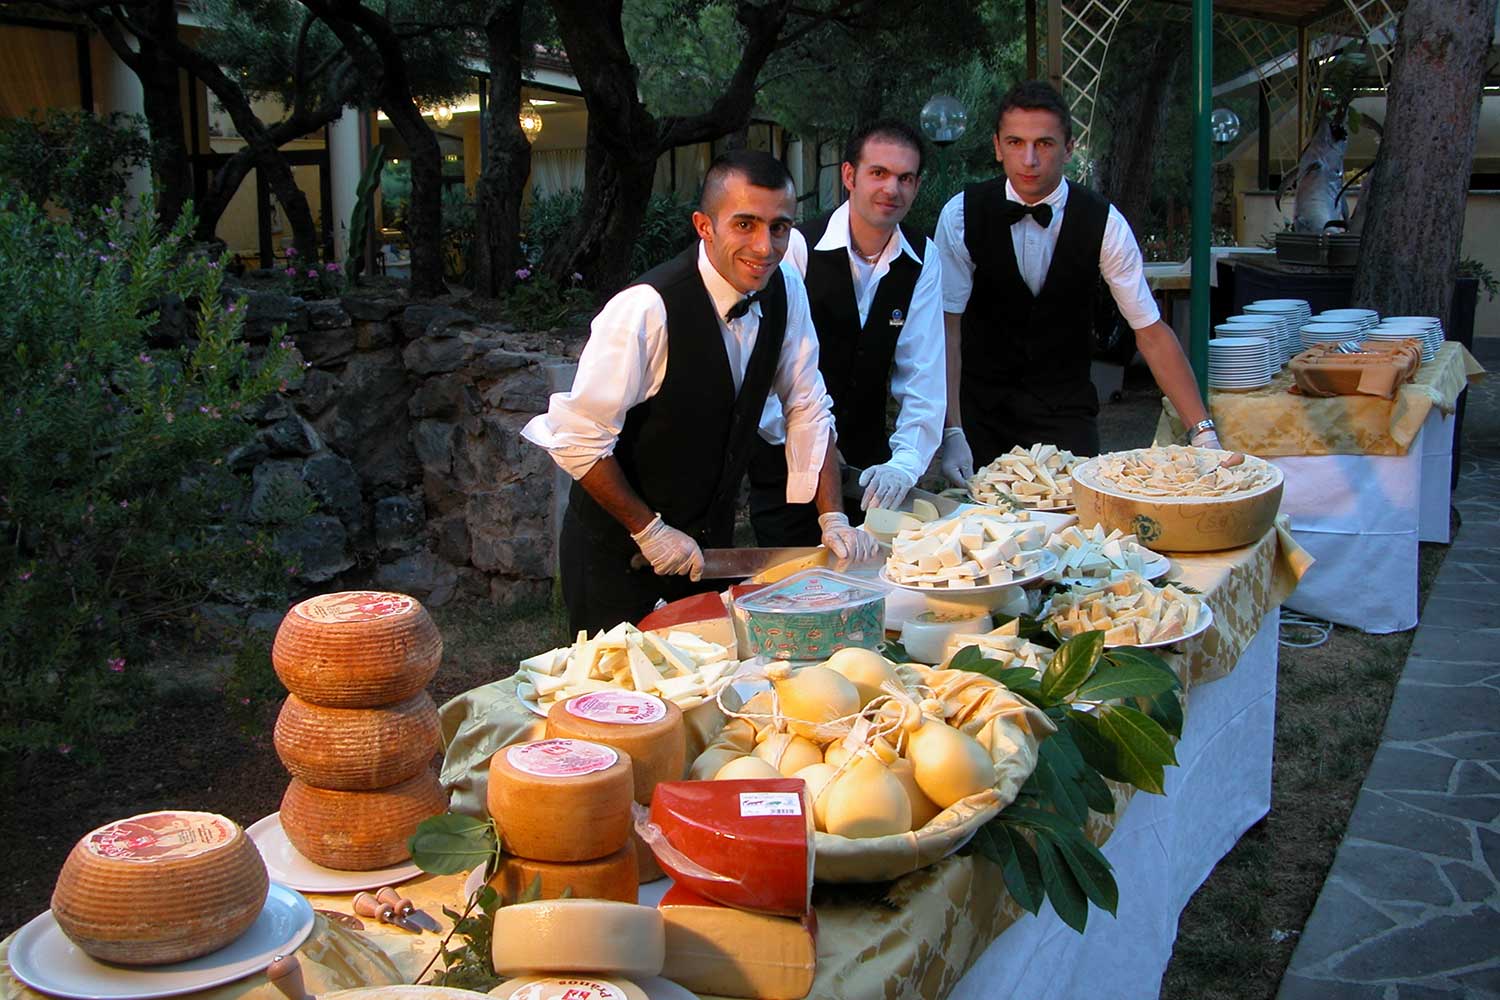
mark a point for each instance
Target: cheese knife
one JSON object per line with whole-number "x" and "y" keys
{"x": 729, "y": 564}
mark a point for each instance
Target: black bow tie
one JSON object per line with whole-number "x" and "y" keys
{"x": 1013, "y": 212}
{"x": 742, "y": 306}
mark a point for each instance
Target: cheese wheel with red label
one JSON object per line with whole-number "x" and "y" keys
{"x": 578, "y": 936}
{"x": 357, "y": 749}
{"x": 160, "y": 887}
{"x": 611, "y": 877}
{"x": 642, "y": 725}
{"x": 755, "y": 835}
{"x": 357, "y": 649}
{"x": 359, "y": 831}
{"x": 561, "y": 800}
{"x": 707, "y": 949}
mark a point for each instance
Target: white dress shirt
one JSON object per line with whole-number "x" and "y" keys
{"x": 1119, "y": 256}
{"x": 625, "y": 360}
{"x": 919, "y": 379}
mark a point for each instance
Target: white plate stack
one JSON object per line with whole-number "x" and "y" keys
{"x": 1267, "y": 325}
{"x": 1240, "y": 362}
{"x": 1293, "y": 313}
{"x": 1427, "y": 329}
{"x": 1366, "y": 318}
{"x": 1331, "y": 334}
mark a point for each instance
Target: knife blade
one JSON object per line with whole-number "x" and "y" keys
{"x": 723, "y": 564}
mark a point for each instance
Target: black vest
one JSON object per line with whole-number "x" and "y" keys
{"x": 856, "y": 361}
{"x": 684, "y": 450}
{"x": 1011, "y": 337}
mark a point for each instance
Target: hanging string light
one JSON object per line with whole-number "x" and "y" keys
{"x": 531, "y": 121}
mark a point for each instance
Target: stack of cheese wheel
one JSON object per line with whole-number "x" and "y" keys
{"x": 562, "y": 807}
{"x": 358, "y": 731}
{"x": 160, "y": 887}
{"x": 643, "y": 726}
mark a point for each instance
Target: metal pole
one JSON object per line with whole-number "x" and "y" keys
{"x": 1203, "y": 90}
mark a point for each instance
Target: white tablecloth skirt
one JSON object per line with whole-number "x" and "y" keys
{"x": 1162, "y": 851}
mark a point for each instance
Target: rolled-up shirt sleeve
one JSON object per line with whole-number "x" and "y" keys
{"x": 919, "y": 381}
{"x": 958, "y": 266}
{"x": 622, "y": 364}
{"x": 804, "y": 398}
{"x": 1121, "y": 265}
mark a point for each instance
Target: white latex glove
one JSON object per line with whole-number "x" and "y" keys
{"x": 847, "y": 543}
{"x": 955, "y": 458}
{"x": 669, "y": 551}
{"x": 1208, "y": 439}
{"x": 885, "y": 486}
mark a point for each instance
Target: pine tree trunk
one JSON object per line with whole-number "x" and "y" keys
{"x": 614, "y": 203}
{"x": 507, "y": 156}
{"x": 1138, "y": 114}
{"x": 424, "y": 216}
{"x": 1409, "y": 254}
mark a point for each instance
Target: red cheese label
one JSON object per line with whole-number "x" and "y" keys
{"x": 630, "y": 708}
{"x": 354, "y": 606}
{"x": 161, "y": 836}
{"x": 561, "y": 758}
{"x": 567, "y": 989}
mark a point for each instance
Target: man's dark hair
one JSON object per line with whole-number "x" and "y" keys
{"x": 760, "y": 169}
{"x": 891, "y": 130}
{"x": 1036, "y": 95}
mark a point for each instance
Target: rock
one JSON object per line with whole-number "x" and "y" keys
{"x": 528, "y": 555}
{"x": 446, "y": 397}
{"x": 398, "y": 523}
{"x": 431, "y": 355}
{"x": 175, "y": 322}
{"x": 326, "y": 314}
{"x": 268, "y": 310}
{"x": 523, "y": 390}
{"x": 326, "y": 347}
{"x": 428, "y": 320}
{"x": 370, "y": 426}
{"x": 373, "y": 307}
{"x": 421, "y": 575}
{"x": 319, "y": 390}
{"x": 248, "y": 455}
{"x": 503, "y": 359}
{"x": 278, "y": 494}
{"x": 435, "y": 443}
{"x": 317, "y": 546}
{"x": 335, "y": 484}
{"x": 370, "y": 334}
{"x": 291, "y": 435}
{"x": 451, "y": 536}
{"x": 267, "y": 410}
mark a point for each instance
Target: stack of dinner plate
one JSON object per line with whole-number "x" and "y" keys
{"x": 1268, "y": 325}
{"x": 1240, "y": 362}
{"x": 1332, "y": 334}
{"x": 1294, "y": 312}
{"x": 1427, "y": 329}
{"x": 1366, "y": 318}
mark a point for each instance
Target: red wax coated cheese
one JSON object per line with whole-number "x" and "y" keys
{"x": 699, "y": 607}
{"x": 744, "y": 843}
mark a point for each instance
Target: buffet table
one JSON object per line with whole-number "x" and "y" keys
{"x": 923, "y": 934}
{"x": 1366, "y": 479}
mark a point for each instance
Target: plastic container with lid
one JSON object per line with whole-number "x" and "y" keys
{"x": 811, "y": 614}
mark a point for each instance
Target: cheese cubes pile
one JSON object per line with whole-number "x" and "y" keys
{"x": 1129, "y": 612}
{"x": 1005, "y": 646}
{"x": 681, "y": 668}
{"x": 977, "y": 549}
{"x": 1176, "y": 471}
{"x": 1090, "y": 553}
{"x": 1040, "y": 478}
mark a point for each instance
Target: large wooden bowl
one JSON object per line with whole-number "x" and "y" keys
{"x": 357, "y": 749}
{"x": 357, "y": 649}
{"x": 1179, "y": 524}
{"x": 160, "y": 887}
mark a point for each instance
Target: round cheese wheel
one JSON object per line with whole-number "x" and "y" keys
{"x": 578, "y": 936}
{"x": 160, "y": 887}
{"x": 356, "y": 649}
{"x": 359, "y": 831}
{"x": 569, "y": 988}
{"x": 561, "y": 800}
{"x": 357, "y": 749}
{"x": 644, "y": 726}
{"x": 611, "y": 877}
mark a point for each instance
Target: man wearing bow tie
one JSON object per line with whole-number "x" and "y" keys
{"x": 1022, "y": 256}
{"x": 877, "y": 306}
{"x": 657, "y": 428}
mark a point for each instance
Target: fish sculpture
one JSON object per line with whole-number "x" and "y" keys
{"x": 1319, "y": 179}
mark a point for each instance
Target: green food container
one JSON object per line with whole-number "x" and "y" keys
{"x": 812, "y": 614}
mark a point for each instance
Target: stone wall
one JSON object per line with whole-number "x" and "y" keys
{"x": 403, "y": 439}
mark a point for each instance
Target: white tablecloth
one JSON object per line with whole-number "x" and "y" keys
{"x": 1361, "y": 517}
{"x": 1162, "y": 851}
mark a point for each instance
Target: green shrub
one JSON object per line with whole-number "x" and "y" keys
{"x": 665, "y": 231}
{"x": 535, "y": 302}
{"x": 73, "y": 159}
{"x": 117, "y": 510}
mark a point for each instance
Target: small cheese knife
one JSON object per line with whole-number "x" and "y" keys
{"x": 730, "y": 564}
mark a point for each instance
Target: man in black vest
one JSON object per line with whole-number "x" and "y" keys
{"x": 876, "y": 303}
{"x": 657, "y": 429}
{"x": 1022, "y": 255}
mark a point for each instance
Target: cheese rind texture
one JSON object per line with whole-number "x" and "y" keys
{"x": 357, "y": 749}
{"x": 160, "y": 887}
{"x": 561, "y": 800}
{"x": 722, "y": 951}
{"x": 356, "y": 649}
{"x": 359, "y": 831}
{"x": 643, "y": 726}
{"x": 577, "y": 936}
{"x": 612, "y": 877}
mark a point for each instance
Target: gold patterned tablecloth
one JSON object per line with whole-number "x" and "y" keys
{"x": 1271, "y": 422}
{"x": 915, "y": 936}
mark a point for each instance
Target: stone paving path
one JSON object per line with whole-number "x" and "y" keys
{"x": 1411, "y": 907}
